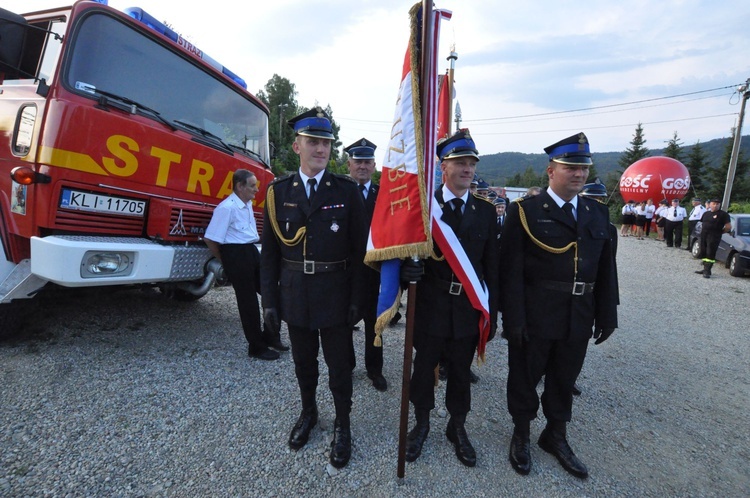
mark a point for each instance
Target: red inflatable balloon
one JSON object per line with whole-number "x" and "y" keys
{"x": 655, "y": 178}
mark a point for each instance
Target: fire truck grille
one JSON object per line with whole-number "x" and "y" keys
{"x": 82, "y": 221}
{"x": 187, "y": 224}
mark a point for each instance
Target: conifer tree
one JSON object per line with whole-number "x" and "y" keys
{"x": 636, "y": 151}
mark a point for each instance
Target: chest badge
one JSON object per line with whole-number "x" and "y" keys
{"x": 334, "y": 226}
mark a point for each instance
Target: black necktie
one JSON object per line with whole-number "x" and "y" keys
{"x": 362, "y": 191}
{"x": 675, "y": 213}
{"x": 311, "y": 184}
{"x": 568, "y": 208}
{"x": 457, "y": 204}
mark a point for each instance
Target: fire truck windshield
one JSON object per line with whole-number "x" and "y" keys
{"x": 162, "y": 80}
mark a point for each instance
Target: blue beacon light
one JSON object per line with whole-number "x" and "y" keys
{"x": 144, "y": 17}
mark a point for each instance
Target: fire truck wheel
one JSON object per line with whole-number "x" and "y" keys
{"x": 178, "y": 294}
{"x": 11, "y": 318}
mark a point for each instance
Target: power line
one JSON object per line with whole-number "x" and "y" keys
{"x": 608, "y": 106}
{"x": 629, "y": 125}
{"x": 607, "y": 112}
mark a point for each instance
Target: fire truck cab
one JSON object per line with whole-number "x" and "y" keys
{"x": 118, "y": 137}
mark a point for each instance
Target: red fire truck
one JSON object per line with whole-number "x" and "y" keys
{"x": 117, "y": 139}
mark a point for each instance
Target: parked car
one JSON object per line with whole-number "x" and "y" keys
{"x": 734, "y": 248}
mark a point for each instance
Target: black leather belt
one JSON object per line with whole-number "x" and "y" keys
{"x": 453, "y": 288}
{"x": 313, "y": 267}
{"x": 575, "y": 288}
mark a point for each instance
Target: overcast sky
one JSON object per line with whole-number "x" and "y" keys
{"x": 516, "y": 60}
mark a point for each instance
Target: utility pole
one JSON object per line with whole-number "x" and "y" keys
{"x": 743, "y": 90}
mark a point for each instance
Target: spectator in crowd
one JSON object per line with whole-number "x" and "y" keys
{"x": 694, "y": 217}
{"x": 650, "y": 209}
{"x": 628, "y": 218}
{"x": 674, "y": 216}
{"x": 231, "y": 236}
{"x": 714, "y": 223}
{"x": 640, "y": 219}
{"x": 660, "y": 219}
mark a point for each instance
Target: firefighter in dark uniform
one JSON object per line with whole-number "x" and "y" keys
{"x": 361, "y": 167}
{"x": 558, "y": 282}
{"x": 714, "y": 223}
{"x": 311, "y": 264}
{"x": 444, "y": 318}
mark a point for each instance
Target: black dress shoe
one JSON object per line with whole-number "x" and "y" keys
{"x": 263, "y": 353}
{"x": 520, "y": 452}
{"x": 301, "y": 430}
{"x": 442, "y": 373}
{"x": 341, "y": 446}
{"x": 415, "y": 440}
{"x": 378, "y": 382}
{"x": 473, "y": 378}
{"x": 457, "y": 435}
{"x": 555, "y": 443}
{"x": 576, "y": 390}
{"x": 274, "y": 341}
{"x": 277, "y": 345}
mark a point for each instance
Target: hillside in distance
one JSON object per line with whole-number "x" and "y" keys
{"x": 495, "y": 169}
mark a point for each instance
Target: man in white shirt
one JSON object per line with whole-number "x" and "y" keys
{"x": 231, "y": 236}
{"x": 694, "y": 217}
{"x": 674, "y": 215}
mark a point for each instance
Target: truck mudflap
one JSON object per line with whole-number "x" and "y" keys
{"x": 88, "y": 261}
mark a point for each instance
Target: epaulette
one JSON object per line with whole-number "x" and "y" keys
{"x": 519, "y": 199}
{"x": 280, "y": 179}
{"x": 481, "y": 197}
{"x": 344, "y": 177}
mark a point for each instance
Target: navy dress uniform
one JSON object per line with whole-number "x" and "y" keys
{"x": 311, "y": 265}
{"x": 558, "y": 282}
{"x": 445, "y": 320}
{"x": 364, "y": 150}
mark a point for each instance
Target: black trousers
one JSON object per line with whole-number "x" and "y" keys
{"x": 373, "y": 355}
{"x": 709, "y": 245}
{"x": 242, "y": 264}
{"x": 560, "y": 362}
{"x": 460, "y": 353}
{"x": 335, "y": 342}
{"x": 673, "y": 233}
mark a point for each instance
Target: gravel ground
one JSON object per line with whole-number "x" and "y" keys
{"x": 130, "y": 394}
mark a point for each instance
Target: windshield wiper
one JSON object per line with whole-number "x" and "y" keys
{"x": 203, "y": 132}
{"x": 134, "y": 106}
{"x": 248, "y": 152}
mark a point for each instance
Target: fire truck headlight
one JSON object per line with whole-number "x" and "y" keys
{"x": 106, "y": 264}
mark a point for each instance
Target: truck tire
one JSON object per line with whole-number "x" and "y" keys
{"x": 11, "y": 318}
{"x": 181, "y": 295}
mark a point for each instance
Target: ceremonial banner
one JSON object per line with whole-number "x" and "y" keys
{"x": 401, "y": 221}
{"x": 445, "y": 99}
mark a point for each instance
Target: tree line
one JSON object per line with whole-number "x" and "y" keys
{"x": 280, "y": 95}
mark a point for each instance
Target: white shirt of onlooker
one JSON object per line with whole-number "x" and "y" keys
{"x": 650, "y": 210}
{"x": 675, "y": 213}
{"x": 233, "y": 222}
{"x": 696, "y": 213}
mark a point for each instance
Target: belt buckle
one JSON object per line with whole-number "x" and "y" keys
{"x": 455, "y": 288}
{"x": 579, "y": 288}
{"x": 308, "y": 267}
